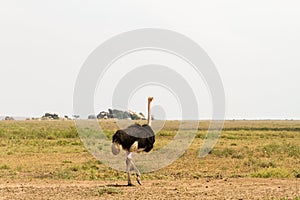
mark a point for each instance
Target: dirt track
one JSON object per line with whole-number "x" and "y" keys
{"x": 237, "y": 188}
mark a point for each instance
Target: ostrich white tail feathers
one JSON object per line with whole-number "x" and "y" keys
{"x": 115, "y": 148}
{"x": 134, "y": 147}
{"x": 150, "y": 99}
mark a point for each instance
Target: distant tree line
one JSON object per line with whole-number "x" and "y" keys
{"x": 9, "y": 118}
{"x": 118, "y": 114}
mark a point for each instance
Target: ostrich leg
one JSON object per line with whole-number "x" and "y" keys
{"x": 138, "y": 174}
{"x": 128, "y": 163}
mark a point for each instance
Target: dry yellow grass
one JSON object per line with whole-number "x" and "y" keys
{"x": 52, "y": 149}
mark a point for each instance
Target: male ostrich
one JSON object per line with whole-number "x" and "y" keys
{"x": 135, "y": 138}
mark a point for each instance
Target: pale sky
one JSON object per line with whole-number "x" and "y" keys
{"x": 255, "y": 46}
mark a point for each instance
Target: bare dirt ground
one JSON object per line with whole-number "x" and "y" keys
{"x": 228, "y": 188}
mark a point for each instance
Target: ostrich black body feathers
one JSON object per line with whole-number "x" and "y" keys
{"x": 143, "y": 135}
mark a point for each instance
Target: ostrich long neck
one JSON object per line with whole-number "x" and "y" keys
{"x": 149, "y": 112}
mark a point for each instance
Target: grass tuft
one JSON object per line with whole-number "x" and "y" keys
{"x": 108, "y": 190}
{"x": 272, "y": 173}
{"x": 5, "y": 167}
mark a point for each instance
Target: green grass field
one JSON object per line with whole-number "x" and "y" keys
{"x": 53, "y": 150}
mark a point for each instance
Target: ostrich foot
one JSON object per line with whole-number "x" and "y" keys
{"x": 138, "y": 179}
{"x": 130, "y": 184}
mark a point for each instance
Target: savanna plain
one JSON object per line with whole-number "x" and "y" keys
{"x": 251, "y": 160}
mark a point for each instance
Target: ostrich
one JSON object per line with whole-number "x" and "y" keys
{"x": 135, "y": 138}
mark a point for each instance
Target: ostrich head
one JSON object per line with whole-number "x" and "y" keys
{"x": 150, "y": 99}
